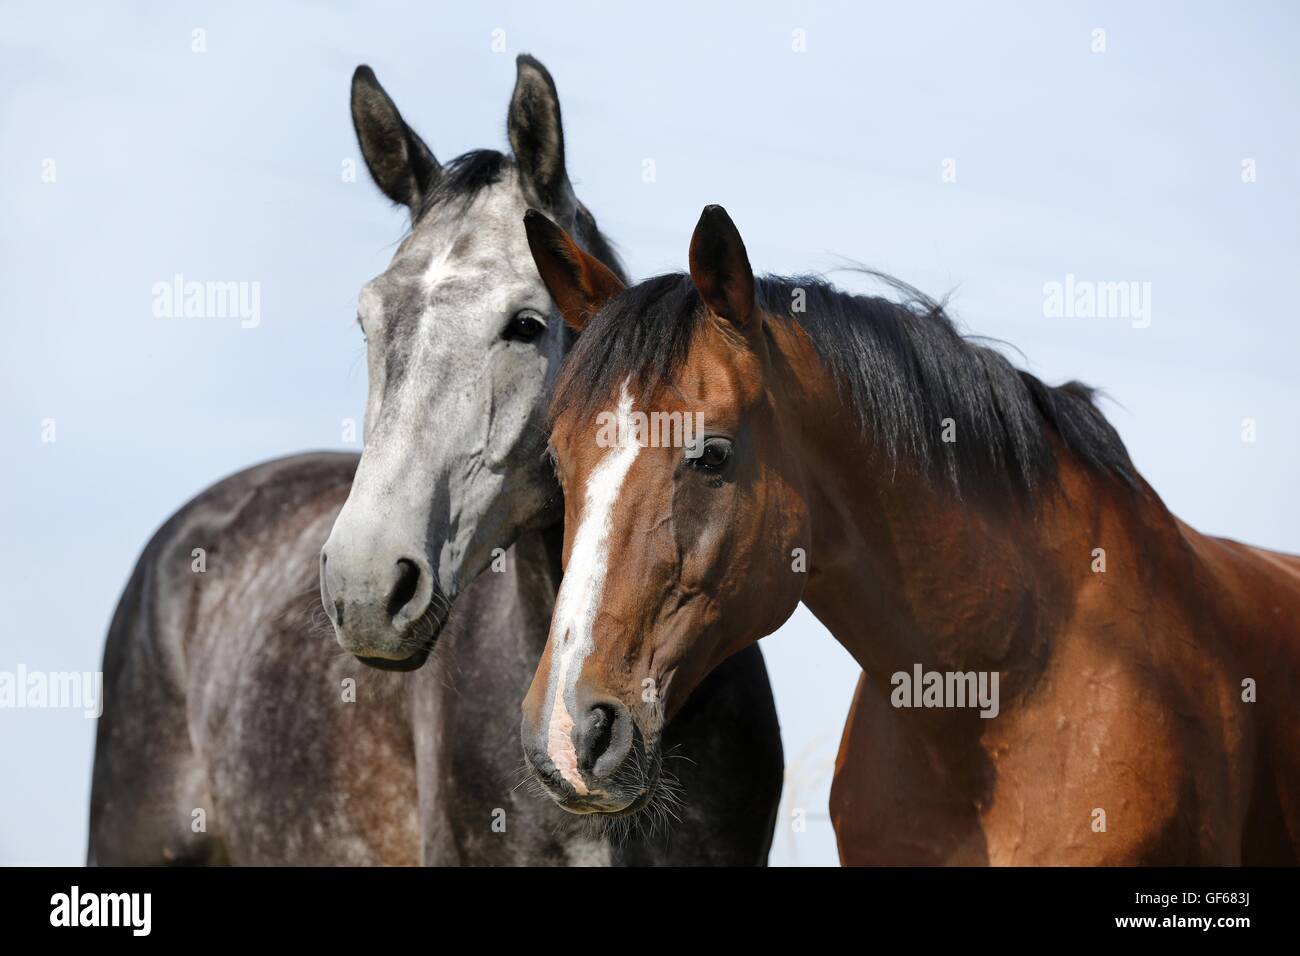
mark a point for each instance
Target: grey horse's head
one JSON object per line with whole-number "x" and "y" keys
{"x": 462, "y": 343}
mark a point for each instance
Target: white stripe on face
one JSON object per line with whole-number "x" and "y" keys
{"x": 581, "y": 590}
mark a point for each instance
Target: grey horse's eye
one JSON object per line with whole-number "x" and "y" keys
{"x": 524, "y": 327}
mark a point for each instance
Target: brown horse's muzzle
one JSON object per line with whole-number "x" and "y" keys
{"x": 590, "y": 758}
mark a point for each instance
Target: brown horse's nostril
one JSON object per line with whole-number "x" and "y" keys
{"x": 408, "y": 580}
{"x": 603, "y": 739}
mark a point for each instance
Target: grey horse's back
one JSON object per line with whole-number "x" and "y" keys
{"x": 145, "y": 770}
{"x": 225, "y": 582}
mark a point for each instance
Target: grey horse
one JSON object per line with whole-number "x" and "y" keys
{"x": 236, "y": 731}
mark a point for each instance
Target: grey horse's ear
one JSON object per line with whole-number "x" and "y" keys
{"x": 399, "y": 162}
{"x": 537, "y": 135}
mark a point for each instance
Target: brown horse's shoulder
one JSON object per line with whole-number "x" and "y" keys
{"x": 1259, "y": 588}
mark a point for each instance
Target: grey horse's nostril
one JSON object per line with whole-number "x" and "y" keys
{"x": 330, "y": 601}
{"x": 408, "y": 579}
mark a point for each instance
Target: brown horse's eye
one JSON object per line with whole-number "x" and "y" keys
{"x": 714, "y": 455}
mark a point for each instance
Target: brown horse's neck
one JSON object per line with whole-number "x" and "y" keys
{"x": 904, "y": 572}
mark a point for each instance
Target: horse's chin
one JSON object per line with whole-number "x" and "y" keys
{"x": 412, "y": 663}
{"x": 639, "y": 803}
{"x": 595, "y": 811}
{"x": 607, "y": 806}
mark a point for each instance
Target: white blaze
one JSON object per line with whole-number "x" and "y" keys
{"x": 581, "y": 590}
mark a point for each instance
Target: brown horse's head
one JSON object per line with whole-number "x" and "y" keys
{"x": 683, "y": 503}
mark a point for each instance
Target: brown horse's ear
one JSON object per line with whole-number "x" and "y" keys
{"x": 720, "y": 268}
{"x": 579, "y": 283}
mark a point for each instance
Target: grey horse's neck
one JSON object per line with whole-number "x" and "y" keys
{"x": 537, "y": 568}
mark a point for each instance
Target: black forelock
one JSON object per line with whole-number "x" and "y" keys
{"x": 465, "y": 177}
{"x": 903, "y": 368}
{"x": 462, "y": 179}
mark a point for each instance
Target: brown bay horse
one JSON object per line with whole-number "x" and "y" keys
{"x": 955, "y": 523}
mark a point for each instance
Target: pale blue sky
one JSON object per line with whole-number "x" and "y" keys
{"x": 1114, "y": 166}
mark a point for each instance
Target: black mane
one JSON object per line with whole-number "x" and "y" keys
{"x": 469, "y": 174}
{"x": 902, "y": 368}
